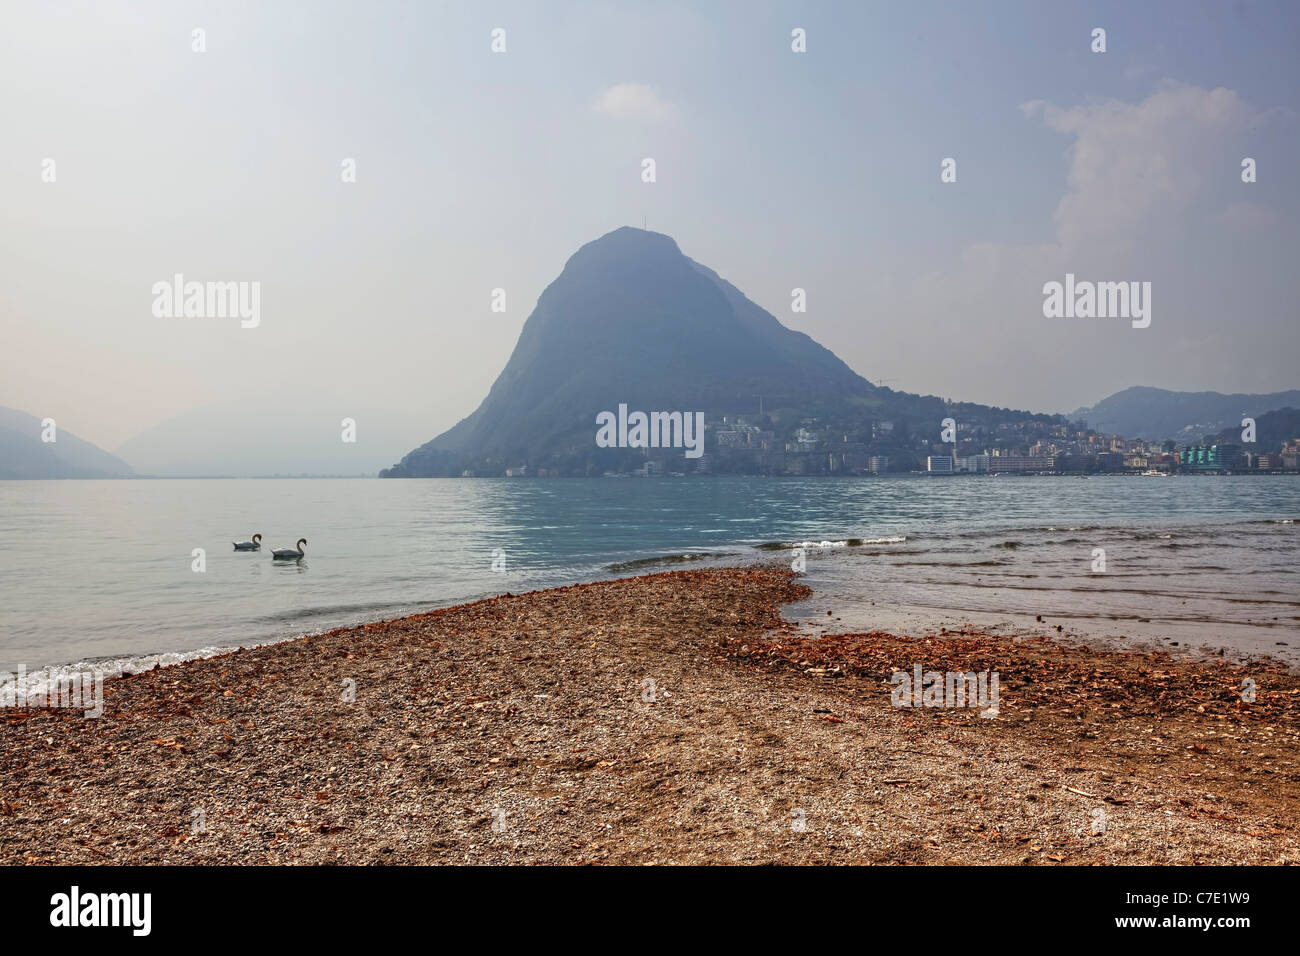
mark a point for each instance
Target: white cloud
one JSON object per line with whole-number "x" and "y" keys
{"x": 1131, "y": 161}
{"x": 633, "y": 101}
{"x": 1153, "y": 193}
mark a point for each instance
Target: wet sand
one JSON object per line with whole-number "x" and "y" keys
{"x": 1243, "y": 608}
{"x": 1182, "y": 640}
{"x": 525, "y": 729}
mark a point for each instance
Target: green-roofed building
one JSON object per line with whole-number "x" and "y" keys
{"x": 1209, "y": 457}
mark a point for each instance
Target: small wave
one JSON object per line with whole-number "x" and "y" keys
{"x": 365, "y": 609}
{"x": 844, "y": 543}
{"x": 682, "y": 558}
{"x": 41, "y": 681}
{"x": 995, "y": 530}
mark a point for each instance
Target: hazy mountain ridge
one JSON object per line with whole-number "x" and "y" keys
{"x": 1158, "y": 414}
{"x": 24, "y": 455}
{"x": 254, "y": 436}
{"x": 1272, "y": 429}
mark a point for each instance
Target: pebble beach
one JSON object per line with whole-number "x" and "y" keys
{"x": 672, "y": 718}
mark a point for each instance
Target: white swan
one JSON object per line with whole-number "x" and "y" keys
{"x": 254, "y": 545}
{"x": 289, "y": 554}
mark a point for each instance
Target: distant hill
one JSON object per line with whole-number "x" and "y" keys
{"x": 1272, "y": 429}
{"x": 1158, "y": 414}
{"x": 24, "y": 455}
{"x": 632, "y": 320}
{"x": 265, "y": 435}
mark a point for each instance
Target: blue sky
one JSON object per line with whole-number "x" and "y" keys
{"x": 478, "y": 170}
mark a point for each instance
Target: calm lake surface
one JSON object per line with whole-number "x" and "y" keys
{"x": 102, "y": 570}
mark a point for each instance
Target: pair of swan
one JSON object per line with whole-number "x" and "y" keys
{"x": 278, "y": 554}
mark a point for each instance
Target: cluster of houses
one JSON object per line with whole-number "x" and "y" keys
{"x": 734, "y": 445}
{"x": 1199, "y": 458}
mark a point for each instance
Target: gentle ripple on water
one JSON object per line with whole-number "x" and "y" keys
{"x": 96, "y": 570}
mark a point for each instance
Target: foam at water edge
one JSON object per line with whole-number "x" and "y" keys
{"x": 38, "y": 682}
{"x": 854, "y": 542}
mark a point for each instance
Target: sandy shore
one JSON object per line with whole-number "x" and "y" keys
{"x": 525, "y": 729}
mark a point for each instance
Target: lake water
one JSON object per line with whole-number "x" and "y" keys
{"x": 103, "y": 570}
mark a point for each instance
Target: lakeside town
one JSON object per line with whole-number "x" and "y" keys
{"x": 737, "y": 445}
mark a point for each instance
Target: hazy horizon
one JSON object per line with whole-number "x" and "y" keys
{"x": 477, "y": 171}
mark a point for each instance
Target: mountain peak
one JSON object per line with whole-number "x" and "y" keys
{"x": 624, "y": 247}
{"x": 631, "y": 320}
{"x": 632, "y": 239}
